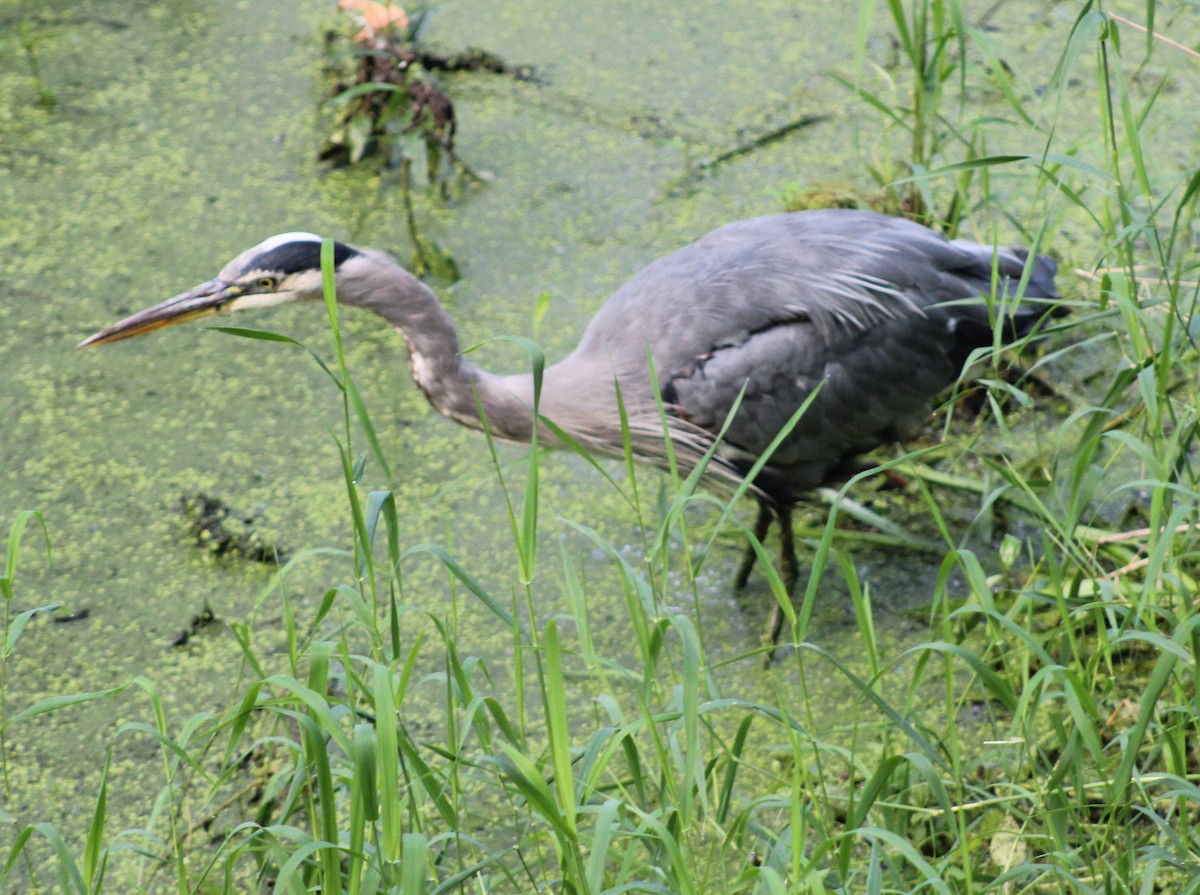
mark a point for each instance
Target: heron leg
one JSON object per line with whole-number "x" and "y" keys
{"x": 761, "y": 526}
{"x": 791, "y": 574}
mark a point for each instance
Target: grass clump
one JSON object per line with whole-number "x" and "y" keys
{"x": 1039, "y": 736}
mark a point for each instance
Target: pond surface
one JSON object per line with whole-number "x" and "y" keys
{"x": 184, "y": 132}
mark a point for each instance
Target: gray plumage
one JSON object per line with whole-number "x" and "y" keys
{"x": 880, "y": 312}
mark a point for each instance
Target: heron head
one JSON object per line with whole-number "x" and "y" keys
{"x": 285, "y": 268}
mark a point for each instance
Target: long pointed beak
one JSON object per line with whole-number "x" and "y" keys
{"x": 203, "y": 301}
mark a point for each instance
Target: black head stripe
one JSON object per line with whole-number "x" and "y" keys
{"x": 293, "y": 257}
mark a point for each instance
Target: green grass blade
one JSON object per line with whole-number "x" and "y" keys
{"x": 555, "y": 693}
{"x": 387, "y": 762}
{"x": 15, "y": 532}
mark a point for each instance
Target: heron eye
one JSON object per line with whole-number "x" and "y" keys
{"x": 265, "y": 282}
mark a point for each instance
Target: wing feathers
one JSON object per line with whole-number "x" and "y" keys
{"x": 870, "y": 308}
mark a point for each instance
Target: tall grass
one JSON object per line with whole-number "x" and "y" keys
{"x": 1044, "y": 737}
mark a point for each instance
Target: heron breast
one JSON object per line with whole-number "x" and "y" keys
{"x": 422, "y": 371}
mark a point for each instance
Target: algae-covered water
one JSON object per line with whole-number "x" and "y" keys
{"x": 181, "y": 133}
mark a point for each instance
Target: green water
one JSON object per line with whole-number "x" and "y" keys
{"x": 185, "y": 132}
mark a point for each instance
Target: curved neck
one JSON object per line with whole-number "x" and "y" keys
{"x": 455, "y": 387}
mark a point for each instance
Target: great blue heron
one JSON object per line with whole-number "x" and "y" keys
{"x": 880, "y": 313}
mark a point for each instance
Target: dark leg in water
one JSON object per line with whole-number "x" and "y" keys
{"x": 791, "y": 573}
{"x": 761, "y": 526}
{"x": 788, "y": 565}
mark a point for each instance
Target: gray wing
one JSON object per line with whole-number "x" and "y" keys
{"x": 875, "y": 386}
{"x": 771, "y": 307}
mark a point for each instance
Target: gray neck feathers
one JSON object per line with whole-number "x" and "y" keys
{"x": 376, "y": 283}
